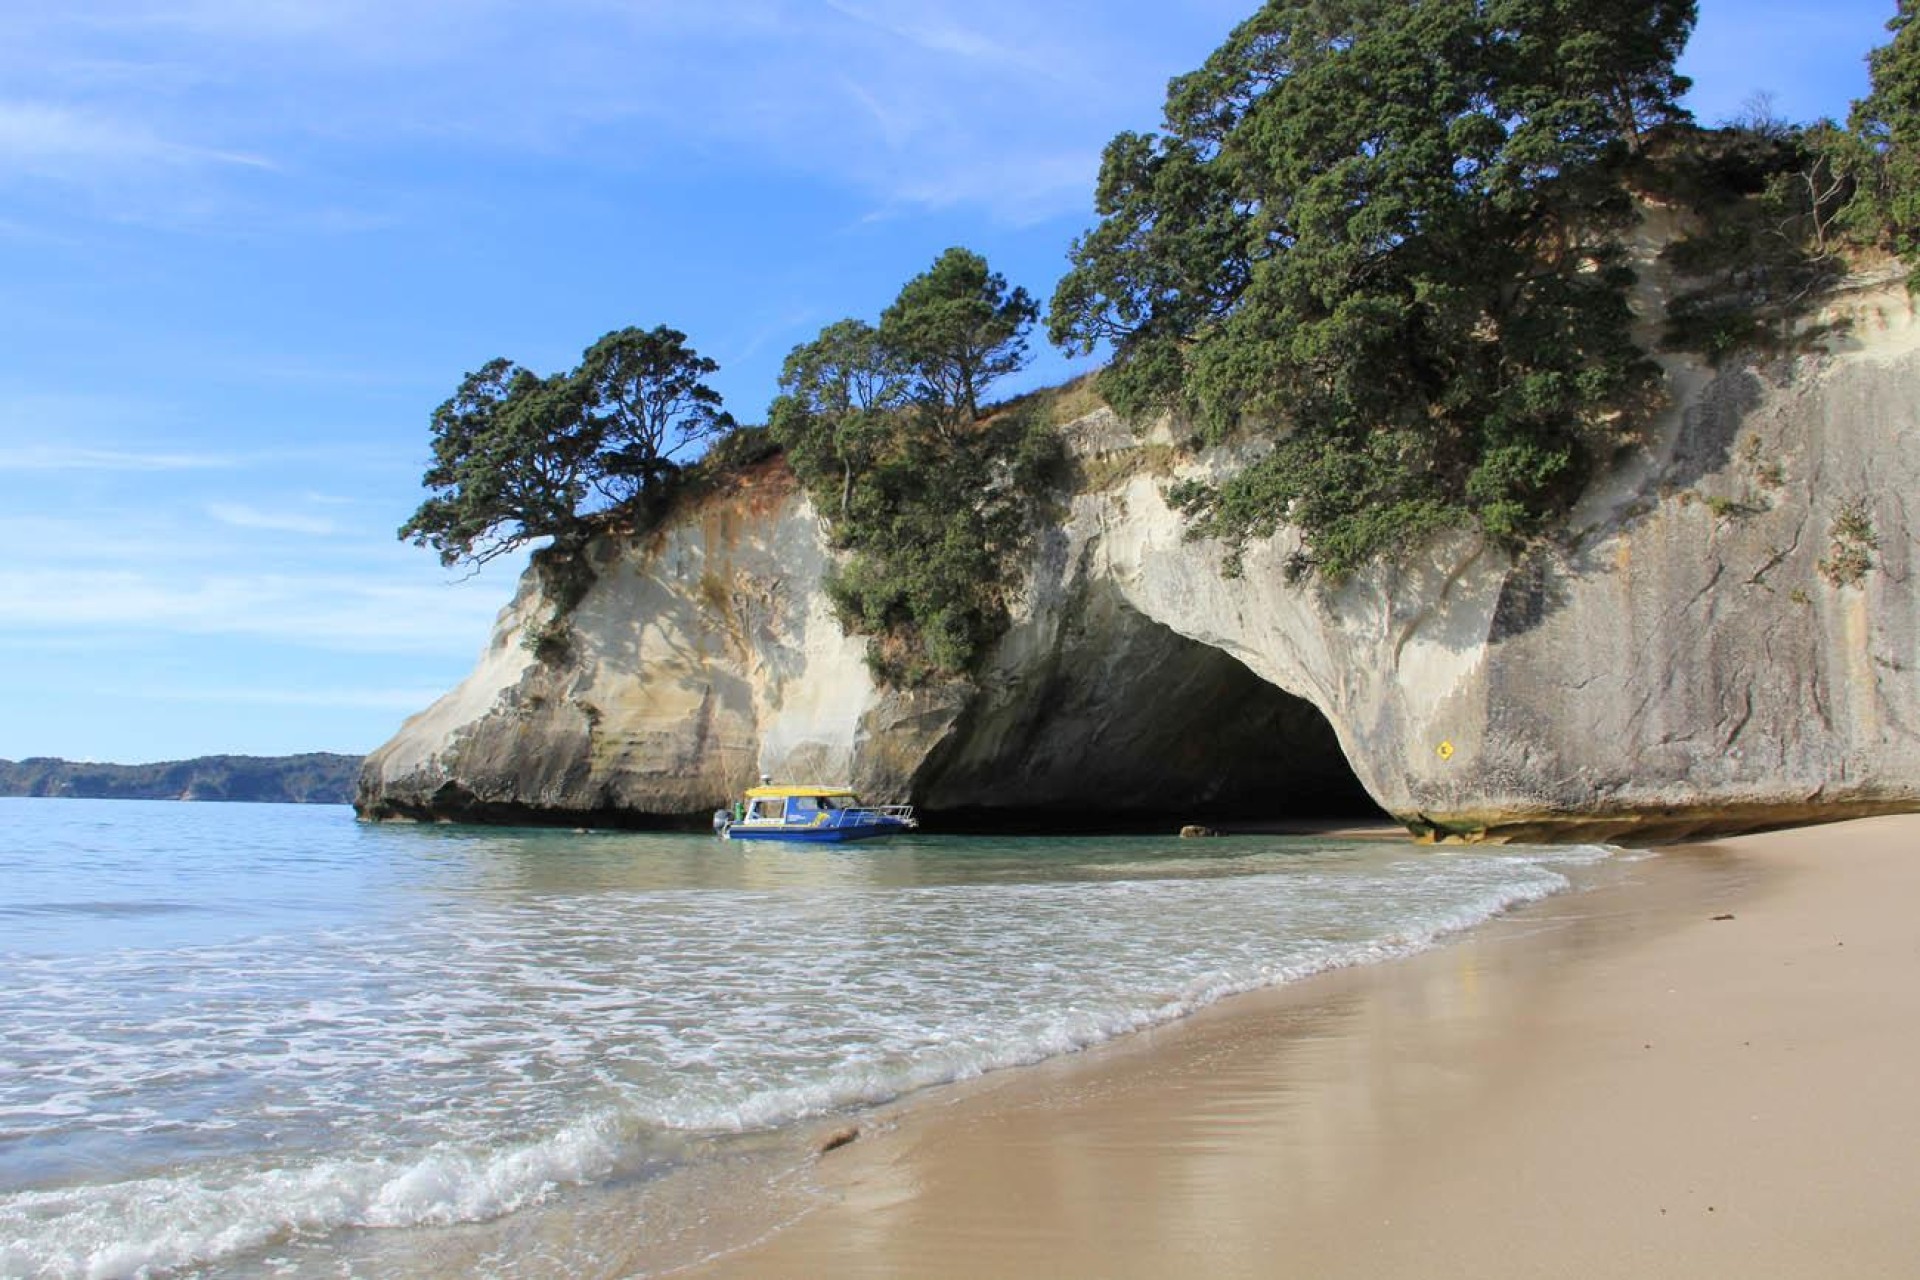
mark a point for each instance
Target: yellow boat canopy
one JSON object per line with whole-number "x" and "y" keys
{"x": 782, "y": 793}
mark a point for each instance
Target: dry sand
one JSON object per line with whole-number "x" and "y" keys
{"x": 1612, "y": 1083}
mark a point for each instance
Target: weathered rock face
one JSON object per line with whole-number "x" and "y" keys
{"x": 1678, "y": 665}
{"x": 700, "y": 657}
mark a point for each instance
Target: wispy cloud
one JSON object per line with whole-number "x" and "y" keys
{"x": 895, "y": 126}
{"x": 1025, "y": 189}
{"x": 88, "y": 536}
{"x": 891, "y": 98}
{"x": 44, "y": 236}
{"x": 82, "y": 458}
{"x": 244, "y": 517}
{"x": 53, "y": 140}
{"x": 321, "y": 611}
{"x": 934, "y": 32}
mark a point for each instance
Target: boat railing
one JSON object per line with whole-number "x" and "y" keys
{"x": 898, "y": 812}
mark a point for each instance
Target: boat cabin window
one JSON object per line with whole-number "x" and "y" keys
{"x": 836, "y": 802}
{"x": 766, "y": 810}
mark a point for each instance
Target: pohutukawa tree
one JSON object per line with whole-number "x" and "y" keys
{"x": 645, "y": 400}
{"x": 518, "y": 456}
{"x": 1384, "y": 234}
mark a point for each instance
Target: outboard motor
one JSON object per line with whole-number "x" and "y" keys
{"x": 722, "y": 819}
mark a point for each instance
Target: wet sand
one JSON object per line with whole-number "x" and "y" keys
{"x": 1610, "y": 1083}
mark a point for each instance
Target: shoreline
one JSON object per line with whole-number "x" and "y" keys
{"x": 1615, "y": 1081}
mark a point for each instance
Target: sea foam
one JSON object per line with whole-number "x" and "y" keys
{"x": 167, "y": 1108}
{"x": 155, "y": 1225}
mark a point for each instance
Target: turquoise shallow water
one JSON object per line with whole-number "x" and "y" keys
{"x": 232, "y": 1031}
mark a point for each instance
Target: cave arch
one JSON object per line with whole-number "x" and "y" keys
{"x": 1128, "y": 725}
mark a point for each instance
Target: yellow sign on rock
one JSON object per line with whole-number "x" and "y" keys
{"x": 1444, "y": 751}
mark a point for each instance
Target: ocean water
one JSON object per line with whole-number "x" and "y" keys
{"x": 269, "y": 1040}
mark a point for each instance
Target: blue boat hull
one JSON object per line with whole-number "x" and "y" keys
{"x": 817, "y": 835}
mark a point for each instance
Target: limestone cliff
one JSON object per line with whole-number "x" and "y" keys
{"x": 1677, "y": 664}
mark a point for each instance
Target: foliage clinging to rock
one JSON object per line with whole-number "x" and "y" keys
{"x": 1785, "y": 210}
{"x": 1767, "y": 200}
{"x": 1850, "y": 556}
{"x": 934, "y": 505}
{"x": 1384, "y": 234}
{"x": 1885, "y": 128}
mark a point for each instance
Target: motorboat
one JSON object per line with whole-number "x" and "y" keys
{"x": 810, "y": 814}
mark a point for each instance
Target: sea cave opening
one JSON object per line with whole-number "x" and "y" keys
{"x": 1136, "y": 728}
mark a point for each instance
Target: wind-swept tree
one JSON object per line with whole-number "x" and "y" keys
{"x": 511, "y": 463}
{"x": 518, "y": 456}
{"x": 645, "y": 403}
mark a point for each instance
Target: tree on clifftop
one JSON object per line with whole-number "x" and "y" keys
{"x": 840, "y": 393}
{"x": 1383, "y": 234}
{"x": 509, "y": 465}
{"x": 646, "y": 404}
{"x": 1886, "y": 126}
{"x": 518, "y": 456}
{"x": 959, "y": 328}
{"x": 931, "y": 506}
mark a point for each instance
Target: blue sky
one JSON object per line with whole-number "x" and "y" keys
{"x": 247, "y": 245}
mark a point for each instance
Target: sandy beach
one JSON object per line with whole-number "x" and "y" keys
{"x": 1706, "y": 1066}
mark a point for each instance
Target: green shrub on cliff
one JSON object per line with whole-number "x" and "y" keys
{"x": 1885, "y": 130}
{"x": 1382, "y": 234}
{"x": 1853, "y": 543}
{"x": 937, "y": 536}
{"x": 1784, "y": 210}
{"x": 1767, "y": 201}
{"x": 883, "y": 426}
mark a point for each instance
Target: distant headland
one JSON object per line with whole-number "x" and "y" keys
{"x": 316, "y": 777}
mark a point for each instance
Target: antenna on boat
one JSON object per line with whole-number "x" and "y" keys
{"x": 766, "y": 779}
